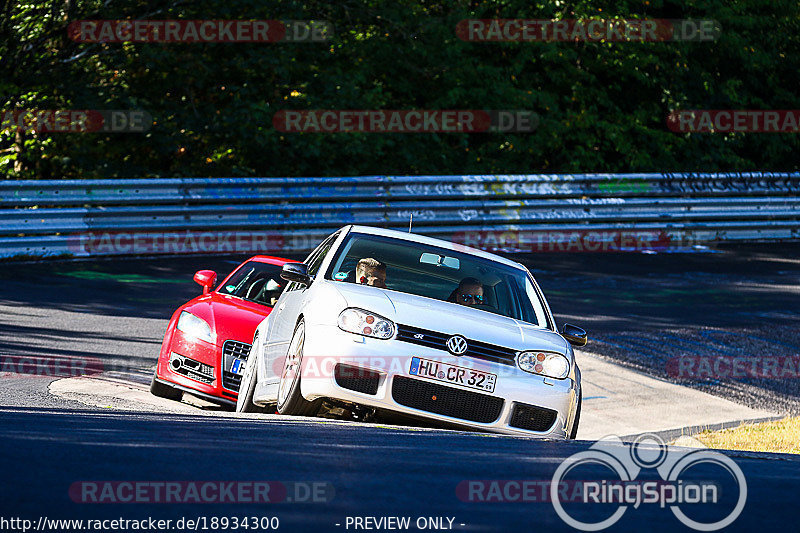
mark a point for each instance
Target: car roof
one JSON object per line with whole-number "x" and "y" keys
{"x": 271, "y": 260}
{"x": 414, "y": 237}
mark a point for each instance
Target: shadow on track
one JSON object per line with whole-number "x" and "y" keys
{"x": 367, "y": 470}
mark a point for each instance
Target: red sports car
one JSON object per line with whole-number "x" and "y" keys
{"x": 208, "y": 338}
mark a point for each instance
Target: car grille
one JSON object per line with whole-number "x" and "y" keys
{"x": 231, "y": 350}
{"x": 433, "y": 339}
{"x": 356, "y": 378}
{"x": 446, "y": 401}
{"x": 532, "y": 417}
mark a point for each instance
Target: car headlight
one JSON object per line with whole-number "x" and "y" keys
{"x": 549, "y": 364}
{"x": 365, "y": 323}
{"x": 196, "y": 327}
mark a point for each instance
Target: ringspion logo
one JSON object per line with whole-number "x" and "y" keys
{"x": 199, "y": 31}
{"x": 676, "y": 489}
{"x": 404, "y": 121}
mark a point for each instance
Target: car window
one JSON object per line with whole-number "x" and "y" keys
{"x": 315, "y": 259}
{"x": 255, "y": 281}
{"x": 435, "y": 272}
{"x": 541, "y": 318}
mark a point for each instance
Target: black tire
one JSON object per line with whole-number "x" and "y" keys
{"x": 244, "y": 403}
{"x": 165, "y": 391}
{"x": 574, "y": 433}
{"x": 293, "y": 402}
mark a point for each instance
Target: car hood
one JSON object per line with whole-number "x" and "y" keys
{"x": 230, "y": 317}
{"x": 450, "y": 318}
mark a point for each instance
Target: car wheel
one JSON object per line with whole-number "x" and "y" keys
{"x": 574, "y": 432}
{"x": 290, "y": 400}
{"x": 244, "y": 402}
{"x": 165, "y": 391}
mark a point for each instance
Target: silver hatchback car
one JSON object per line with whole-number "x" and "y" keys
{"x": 395, "y": 322}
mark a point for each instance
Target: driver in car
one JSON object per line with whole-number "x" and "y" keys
{"x": 371, "y": 272}
{"x": 469, "y": 292}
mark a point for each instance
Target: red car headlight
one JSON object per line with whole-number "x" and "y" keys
{"x": 195, "y": 326}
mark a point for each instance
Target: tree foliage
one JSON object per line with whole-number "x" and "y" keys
{"x": 602, "y": 106}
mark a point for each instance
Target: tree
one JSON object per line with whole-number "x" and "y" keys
{"x": 602, "y": 106}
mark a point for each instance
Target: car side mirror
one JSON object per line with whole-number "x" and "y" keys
{"x": 575, "y": 336}
{"x": 296, "y": 272}
{"x": 206, "y": 278}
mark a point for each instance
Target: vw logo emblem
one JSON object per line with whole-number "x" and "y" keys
{"x": 457, "y": 345}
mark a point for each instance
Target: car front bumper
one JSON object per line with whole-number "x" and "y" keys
{"x": 185, "y": 346}
{"x": 392, "y": 359}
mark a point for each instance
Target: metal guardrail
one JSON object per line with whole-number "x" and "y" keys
{"x": 582, "y": 212}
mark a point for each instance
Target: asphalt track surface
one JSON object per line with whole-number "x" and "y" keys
{"x": 640, "y": 311}
{"x": 366, "y": 471}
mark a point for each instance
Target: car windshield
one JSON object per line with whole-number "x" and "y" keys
{"x": 433, "y": 272}
{"x": 255, "y": 281}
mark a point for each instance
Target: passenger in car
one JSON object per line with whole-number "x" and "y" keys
{"x": 469, "y": 292}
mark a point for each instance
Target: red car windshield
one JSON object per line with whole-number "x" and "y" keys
{"x": 257, "y": 282}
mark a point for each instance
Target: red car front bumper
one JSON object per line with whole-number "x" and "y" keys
{"x": 196, "y": 366}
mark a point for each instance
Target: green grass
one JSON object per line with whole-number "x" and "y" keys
{"x": 780, "y": 436}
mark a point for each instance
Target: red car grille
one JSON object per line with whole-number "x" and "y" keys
{"x": 232, "y": 350}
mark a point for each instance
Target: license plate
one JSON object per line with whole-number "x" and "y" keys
{"x": 237, "y": 366}
{"x": 459, "y": 375}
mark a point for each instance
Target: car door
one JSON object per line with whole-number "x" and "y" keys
{"x": 288, "y": 308}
